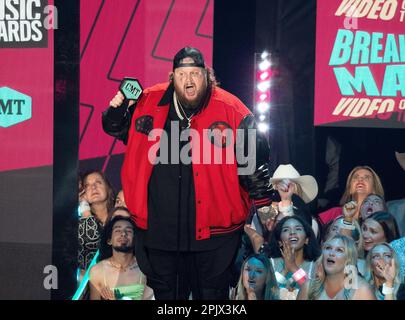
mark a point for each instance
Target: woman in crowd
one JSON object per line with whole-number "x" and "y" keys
{"x": 99, "y": 194}
{"x": 337, "y": 226}
{"x": 256, "y": 281}
{"x": 295, "y": 192}
{"x": 379, "y": 227}
{"x": 384, "y": 271}
{"x": 361, "y": 182}
{"x": 353, "y": 231}
{"x": 337, "y": 277}
{"x": 293, "y": 249}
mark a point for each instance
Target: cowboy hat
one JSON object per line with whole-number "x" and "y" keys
{"x": 307, "y": 183}
{"x": 401, "y": 159}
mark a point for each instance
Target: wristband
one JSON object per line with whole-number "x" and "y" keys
{"x": 347, "y": 225}
{"x": 300, "y": 276}
{"x": 387, "y": 290}
{"x": 348, "y": 219}
{"x": 286, "y": 211}
{"x": 84, "y": 206}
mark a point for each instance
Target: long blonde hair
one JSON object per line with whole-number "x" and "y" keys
{"x": 371, "y": 277}
{"x": 377, "y": 185}
{"x": 316, "y": 286}
{"x": 271, "y": 287}
{"x": 357, "y": 235}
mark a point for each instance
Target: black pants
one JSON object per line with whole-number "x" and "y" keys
{"x": 205, "y": 274}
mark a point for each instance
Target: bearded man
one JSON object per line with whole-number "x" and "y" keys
{"x": 193, "y": 164}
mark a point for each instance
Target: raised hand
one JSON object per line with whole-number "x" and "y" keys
{"x": 255, "y": 238}
{"x": 249, "y": 287}
{"x": 118, "y": 100}
{"x": 288, "y": 254}
{"x": 285, "y": 189}
{"x": 85, "y": 210}
{"x": 388, "y": 272}
{"x": 251, "y": 293}
{"x": 349, "y": 210}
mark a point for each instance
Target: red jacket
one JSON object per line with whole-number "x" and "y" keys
{"x": 222, "y": 205}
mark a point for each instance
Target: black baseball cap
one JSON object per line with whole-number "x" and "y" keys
{"x": 188, "y": 52}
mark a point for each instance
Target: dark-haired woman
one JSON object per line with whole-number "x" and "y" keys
{"x": 100, "y": 195}
{"x": 292, "y": 249}
{"x": 379, "y": 227}
{"x": 382, "y": 227}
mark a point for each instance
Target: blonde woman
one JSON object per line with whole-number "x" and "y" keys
{"x": 257, "y": 281}
{"x": 384, "y": 276}
{"x": 337, "y": 227}
{"x": 337, "y": 277}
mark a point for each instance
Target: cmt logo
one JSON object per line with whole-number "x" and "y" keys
{"x": 15, "y": 107}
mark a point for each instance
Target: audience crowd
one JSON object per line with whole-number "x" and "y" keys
{"x": 352, "y": 252}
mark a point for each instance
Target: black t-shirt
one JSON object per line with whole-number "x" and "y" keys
{"x": 172, "y": 214}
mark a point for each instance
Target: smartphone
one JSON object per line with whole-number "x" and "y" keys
{"x": 267, "y": 213}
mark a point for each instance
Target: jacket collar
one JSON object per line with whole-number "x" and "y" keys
{"x": 167, "y": 96}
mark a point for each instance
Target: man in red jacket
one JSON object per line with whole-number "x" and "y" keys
{"x": 187, "y": 179}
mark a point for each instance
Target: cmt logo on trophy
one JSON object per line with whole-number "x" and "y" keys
{"x": 130, "y": 88}
{"x": 15, "y": 107}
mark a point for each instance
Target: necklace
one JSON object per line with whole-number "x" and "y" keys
{"x": 178, "y": 107}
{"x": 121, "y": 267}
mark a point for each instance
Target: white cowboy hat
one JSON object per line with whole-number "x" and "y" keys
{"x": 401, "y": 159}
{"x": 308, "y": 183}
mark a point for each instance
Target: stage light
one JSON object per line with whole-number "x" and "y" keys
{"x": 263, "y": 127}
{"x": 263, "y": 86}
{"x": 262, "y": 99}
{"x": 263, "y": 96}
{"x": 264, "y": 75}
{"x": 264, "y": 65}
{"x": 263, "y": 107}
